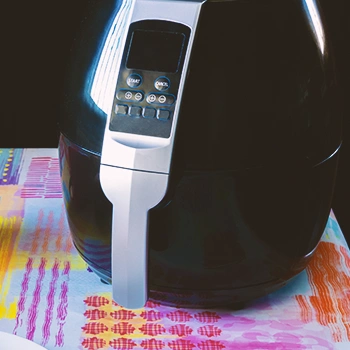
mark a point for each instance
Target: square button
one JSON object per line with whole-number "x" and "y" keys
{"x": 149, "y": 112}
{"x": 121, "y": 109}
{"x": 135, "y": 111}
{"x": 163, "y": 114}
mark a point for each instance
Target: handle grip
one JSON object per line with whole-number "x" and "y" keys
{"x": 132, "y": 194}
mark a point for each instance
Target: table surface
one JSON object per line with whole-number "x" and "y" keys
{"x": 49, "y": 295}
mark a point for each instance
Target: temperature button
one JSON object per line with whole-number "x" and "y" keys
{"x": 139, "y": 96}
{"x": 130, "y": 96}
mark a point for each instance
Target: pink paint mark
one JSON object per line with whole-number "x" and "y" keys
{"x": 151, "y": 315}
{"x": 50, "y": 302}
{"x": 209, "y": 331}
{"x": 66, "y": 269}
{"x": 62, "y": 309}
{"x": 267, "y": 346}
{"x": 22, "y": 296}
{"x": 211, "y": 345}
{"x": 33, "y": 310}
{"x": 207, "y": 317}
{"x": 43, "y": 179}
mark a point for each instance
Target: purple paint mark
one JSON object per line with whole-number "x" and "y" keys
{"x": 33, "y": 310}
{"x": 62, "y": 309}
{"x": 51, "y": 302}
{"x": 22, "y": 296}
{"x": 66, "y": 268}
{"x": 43, "y": 179}
{"x": 10, "y": 161}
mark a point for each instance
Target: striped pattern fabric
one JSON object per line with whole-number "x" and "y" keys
{"x": 50, "y": 296}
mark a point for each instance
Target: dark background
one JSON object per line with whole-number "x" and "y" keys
{"x": 36, "y": 37}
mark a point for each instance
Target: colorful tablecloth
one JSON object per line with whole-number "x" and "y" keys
{"x": 49, "y": 295}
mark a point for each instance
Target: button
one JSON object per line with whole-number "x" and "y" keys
{"x": 130, "y": 96}
{"x": 162, "y": 84}
{"x": 151, "y": 98}
{"x": 149, "y": 112}
{"x": 121, "y": 109}
{"x": 135, "y": 111}
{"x": 164, "y": 99}
{"x": 161, "y": 99}
{"x": 163, "y": 114}
{"x": 134, "y": 80}
{"x": 139, "y": 96}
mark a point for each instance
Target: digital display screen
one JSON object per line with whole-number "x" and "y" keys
{"x": 155, "y": 51}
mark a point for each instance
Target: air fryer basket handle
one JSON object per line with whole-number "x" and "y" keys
{"x": 137, "y": 192}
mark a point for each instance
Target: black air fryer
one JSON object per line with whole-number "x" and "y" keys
{"x": 199, "y": 146}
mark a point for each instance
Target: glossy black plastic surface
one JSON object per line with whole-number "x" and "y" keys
{"x": 261, "y": 86}
{"x": 223, "y": 237}
{"x": 254, "y": 159}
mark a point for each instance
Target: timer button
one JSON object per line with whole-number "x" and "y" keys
{"x": 162, "y": 84}
{"x": 151, "y": 98}
{"x": 134, "y": 80}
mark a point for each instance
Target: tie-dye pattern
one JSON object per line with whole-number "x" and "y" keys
{"x": 49, "y": 295}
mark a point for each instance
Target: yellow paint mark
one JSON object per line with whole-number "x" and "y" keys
{"x": 9, "y": 236}
{"x": 12, "y": 310}
{"x": 4, "y": 174}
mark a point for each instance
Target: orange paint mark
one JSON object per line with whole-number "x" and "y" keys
{"x": 69, "y": 245}
{"x": 61, "y": 226}
{"x": 9, "y": 231}
{"x": 346, "y": 257}
{"x": 47, "y": 232}
{"x": 306, "y": 311}
{"x": 37, "y": 233}
{"x": 329, "y": 277}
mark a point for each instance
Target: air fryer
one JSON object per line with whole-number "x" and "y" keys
{"x": 199, "y": 145}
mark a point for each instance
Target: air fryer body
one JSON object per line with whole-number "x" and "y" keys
{"x": 254, "y": 158}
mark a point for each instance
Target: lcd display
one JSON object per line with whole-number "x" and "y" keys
{"x": 155, "y": 51}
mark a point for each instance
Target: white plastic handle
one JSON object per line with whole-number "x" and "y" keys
{"x": 133, "y": 194}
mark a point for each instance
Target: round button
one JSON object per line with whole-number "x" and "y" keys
{"x": 161, "y": 99}
{"x": 128, "y": 95}
{"x": 138, "y": 96}
{"x": 151, "y": 98}
{"x": 134, "y": 80}
{"x": 162, "y": 83}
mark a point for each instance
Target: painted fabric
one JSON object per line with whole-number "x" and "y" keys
{"x": 49, "y": 295}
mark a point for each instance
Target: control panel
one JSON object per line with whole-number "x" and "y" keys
{"x": 149, "y": 76}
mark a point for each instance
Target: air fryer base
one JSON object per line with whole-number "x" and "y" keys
{"x": 236, "y": 298}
